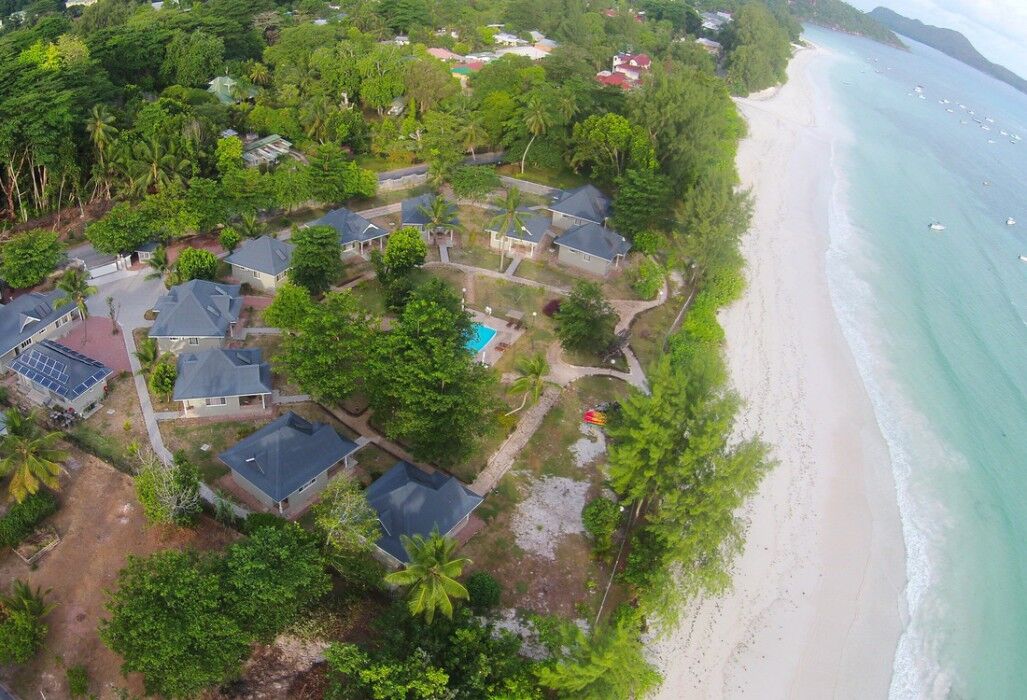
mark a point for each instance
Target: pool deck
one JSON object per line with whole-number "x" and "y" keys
{"x": 504, "y": 334}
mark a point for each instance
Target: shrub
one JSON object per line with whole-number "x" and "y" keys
{"x": 552, "y": 306}
{"x": 647, "y": 242}
{"x": 78, "y": 681}
{"x": 474, "y": 181}
{"x": 21, "y": 635}
{"x": 22, "y": 518}
{"x": 255, "y": 521}
{"x": 649, "y": 279}
{"x": 229, "y": 239}
{"x": 484, "y": 591}
{"x": 601, "y": 517}
{"x": 196, "y": 264}
{"x": 162, "y": 379}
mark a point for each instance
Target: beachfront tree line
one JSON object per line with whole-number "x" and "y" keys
{"x": 665, "y": 150}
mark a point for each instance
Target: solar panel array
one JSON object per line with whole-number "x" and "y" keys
{"x": 52, "y": 374}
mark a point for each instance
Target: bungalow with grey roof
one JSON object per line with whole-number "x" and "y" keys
{"x": 580, "y": 206}
{"x": 54, "y": 375}
{"x": 285, "y": 464}
{"x": 355, "y": 232}
{"x": 592, "y": 248}
{"x": 217, "y": 381}
{"x": 262, "y": 263}
{"x": 410, "y": 501}
{"x": 264, "y": 151}
{"x": 526, "y": 239}
{"x": 30, "y": 318}
{"x": 413, "y": 213}
{"x": 195, "y": 315}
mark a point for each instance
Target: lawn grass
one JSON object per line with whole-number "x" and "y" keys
{"x": 619, "y": 285}
{"x": 370, "y": 296}
{"x": 372, "y": 462}
{"x": 505, "y": 296}
{"x": 649, "y": 330}
{"x": 477, "y": 256}
{"x": 562, "y": 178}
{"x": 539, "y": 271}
{"x": 189, "y": 435}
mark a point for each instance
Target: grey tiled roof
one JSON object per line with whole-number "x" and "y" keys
{"x": 265, "y": 254}
{"x": 595, "y": 240}
{"x": 285, "y": 454}
{"x": 535, "y": 227}
{"x": 411, "y": 210}
{"x": 219, "y": 372}
{"x": 351, "y": 226}
{"x": 197, "y": 308}
{"x": 59, "y": 369}
{"x": 24, "y": 316}
{"x": 585, "y": 202}
{"x": 412, "y": 502}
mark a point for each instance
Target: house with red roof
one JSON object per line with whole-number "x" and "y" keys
{"x": 628, "y": 70}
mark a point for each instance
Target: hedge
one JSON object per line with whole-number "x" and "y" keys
{"x": 22, "y": 518}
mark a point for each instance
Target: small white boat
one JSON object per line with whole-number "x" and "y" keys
{"x": 950, "y": 111}
{"x": 991, "y": 140}
{"x": 935, "y": 226}
{"x": 1010, "y": 221}
{"x": 962, "y": 106}
{"x": 989, "y": 120}
{"x": 1003, "y": 132}
{"x": 1023, "y": 258}
{"x": 987, "y": 183}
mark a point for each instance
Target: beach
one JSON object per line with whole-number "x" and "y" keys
{"x": 816, "y": 608}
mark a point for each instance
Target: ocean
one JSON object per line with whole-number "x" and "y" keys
{"x": 937, "y": 321}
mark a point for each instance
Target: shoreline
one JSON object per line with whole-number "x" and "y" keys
{"x": 817, "y": 604}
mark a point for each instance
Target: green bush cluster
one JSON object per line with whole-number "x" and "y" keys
{"x": 474, "y": 181}
{"x": 649, "y": 279}
{"x": 22, "y": 518}
{"x": 483, "y": 591}
{"x": 601, "y": 516}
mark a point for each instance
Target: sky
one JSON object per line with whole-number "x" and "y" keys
{"x": 996, "y": 28}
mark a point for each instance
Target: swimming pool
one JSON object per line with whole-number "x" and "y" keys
{"x": 483, "y": 335}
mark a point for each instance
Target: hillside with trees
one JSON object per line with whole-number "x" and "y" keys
{"x": 949, "y": 42}
{"x": 843, "y": 17}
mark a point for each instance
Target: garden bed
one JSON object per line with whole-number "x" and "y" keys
{"x": 35, "y": 546}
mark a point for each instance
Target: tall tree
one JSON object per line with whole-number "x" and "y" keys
{"x": 316, "y": 259}
{"x": 509, "y": 217}
{"x": 327, "y": 357}
{"x": 75, "y": 289}
{"x": 585, "y": 320}
{"x": 537, "y": 119}
{"x": 431, "y": 574}
{"x": 425, "y": 387}
{"x": 191, "y": 641}
{"x": 27, "y": 258}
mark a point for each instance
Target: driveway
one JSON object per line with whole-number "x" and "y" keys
{"x": 134, "y": 295}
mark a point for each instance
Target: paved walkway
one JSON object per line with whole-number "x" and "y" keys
{"x": 515, "y": 260}
{"x": 444, "y": 254}
{"x": 362, "y": 427}
{"x": 498, "y": 275}
{"x": 503, "y": 458}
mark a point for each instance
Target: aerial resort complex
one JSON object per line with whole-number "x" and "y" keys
{"x": 397, "y": 349}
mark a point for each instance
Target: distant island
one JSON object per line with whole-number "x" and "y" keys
{"x": 949, "y": 42}
{"x": 842, "y": 17}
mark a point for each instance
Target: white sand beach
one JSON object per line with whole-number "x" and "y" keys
{"x": 816, "y": 607}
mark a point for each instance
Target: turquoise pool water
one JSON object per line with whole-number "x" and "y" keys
{"x": 483, "y": 335}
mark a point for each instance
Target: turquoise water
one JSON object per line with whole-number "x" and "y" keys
{"x": 483, "y": 335}
{"x": 936, "y": 321}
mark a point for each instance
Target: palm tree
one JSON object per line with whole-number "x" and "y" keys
{"x": 153, "y": 167}
{"x": 473, "y": 134}
{"x": 537, "y": 118}
{"x": 431, "y": 574}
{"x": 440, "y": 216}
{"x": 76, "y": 290}
{"x": 100, "y": 125}
{"x": 159, "y": 263}
{"x": 314, "y": 116}
{"x": 533, "y": 371}
{"x": 509, "y": 217}
{"x": 21, "y": 424}
{"x": 24, "y": 599}
{"x": 31, "y": 461}
{"x": 148, "y": 353}
{"x": 259, "y": 74}
{"x": 249, "y": 225}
